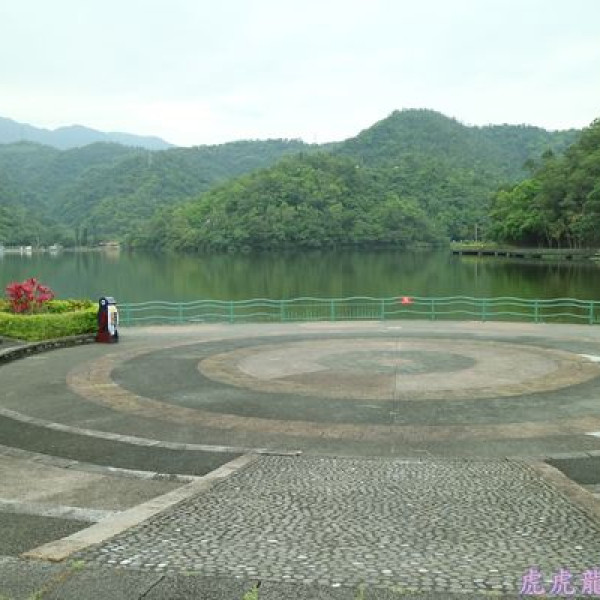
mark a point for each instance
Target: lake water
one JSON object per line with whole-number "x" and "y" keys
{"x": 136, "y": 276}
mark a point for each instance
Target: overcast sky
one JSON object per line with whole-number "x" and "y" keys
{"x": 210, "y": 71}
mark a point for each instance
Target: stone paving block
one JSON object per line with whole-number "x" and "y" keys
{"x": 168, "y": 398}
{"x": 435, "y": 526}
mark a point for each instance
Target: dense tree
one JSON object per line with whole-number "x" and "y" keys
{"x": 415, "y": 175}
{"x": 306, "y": 201}
{"x": 451, "y": 169}
{"x": 560, "y": 204}
{"x": 111, "y": 189}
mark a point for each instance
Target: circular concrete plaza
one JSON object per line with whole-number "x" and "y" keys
{"x": 364, "y": 388}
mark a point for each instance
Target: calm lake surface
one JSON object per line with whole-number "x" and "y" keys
{"x": 137, "y": 276}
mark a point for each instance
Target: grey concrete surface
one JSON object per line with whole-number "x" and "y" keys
{"x": 31, "y": 482}
{"x": 151, "y": 385}
{"x": 585, "y": 471}
{"x": 20, "y": 532}
{"x": 108, "y": 452}
{"x": 7, "y": 343}
{"x": 211, "y": 385}
{"x": 22, "y": 580}
{"x": 61, "y": 549}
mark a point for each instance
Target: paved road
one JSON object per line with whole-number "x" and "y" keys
{"x": 186, "y": 400}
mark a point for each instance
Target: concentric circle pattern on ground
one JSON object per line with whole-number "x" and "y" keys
{"x": 357, "y": 388}
{"x": 404, "y": 368}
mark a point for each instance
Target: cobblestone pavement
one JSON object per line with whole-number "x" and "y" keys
{"x": 435, "y": 525}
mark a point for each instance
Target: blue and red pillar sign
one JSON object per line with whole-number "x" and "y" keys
{"x": 108, "y": 321}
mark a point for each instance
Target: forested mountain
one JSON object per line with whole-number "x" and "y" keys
{"x": 303, "y": 201}
{"x": 413, "y": 177}
{"x": 103, "y": 191}
{"x": 30, "y": 174}
{"x": 560, "y": 204}
{"x": 453, "y": 170}
{"x": 416, "y": 135}
{"x": 73, "y": 136}
{"x": 437, "y": 172}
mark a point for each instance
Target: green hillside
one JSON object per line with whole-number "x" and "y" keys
{"x": 416, "y": 176}
{"x": 305, "y": 201}
{"x": 560, "y": 204}
{"x": 451, "y": 169}
{"x": 415, "y": 135}
{"x": 440, "y": 171}
{"x": 104, "y": 191}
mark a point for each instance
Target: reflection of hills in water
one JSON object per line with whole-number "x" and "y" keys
{"x": 21, "y": 250}
{"x": 138, "y": 276}
{"x": 54, "y": 249}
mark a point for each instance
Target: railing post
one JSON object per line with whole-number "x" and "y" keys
{"x": 433, "y": 309}
{"x": 383, "y": 309}
{"x": 282, "y": 310}
{"x": 127, "y": 315}
{"x": 483, "y": 310}
{"x": 536, "y": 311}
{"x": 332, "y": 310}
{"x": 180, "y": 312}
{"x": 231, "y": 313}
{"x": 591, "y": 312}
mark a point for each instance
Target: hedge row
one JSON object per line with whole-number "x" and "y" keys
{"x": 47, "y": 326}
{"x": 55, "y": 306}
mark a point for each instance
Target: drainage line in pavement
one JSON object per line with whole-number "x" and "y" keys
{"x": 151, "y": 587}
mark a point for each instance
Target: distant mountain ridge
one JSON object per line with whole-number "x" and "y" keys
{"x": 73, "y": 136}
{"x": 427, "y": 133}
{"x": 419, "y": 166}
{"x": 54, "y": 196}
{"x": 416, "y": 176}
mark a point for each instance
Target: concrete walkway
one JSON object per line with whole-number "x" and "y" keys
{"x": 402, "y": 488}
{"x": 427, "y": 389}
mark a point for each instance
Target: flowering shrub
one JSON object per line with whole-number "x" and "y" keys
{"x": 28, "y": 296}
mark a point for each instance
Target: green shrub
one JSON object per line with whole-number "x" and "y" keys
{"x": 62, "y": 306}
{"x": 55, "y": 306}
{"x": 48, "y": 325}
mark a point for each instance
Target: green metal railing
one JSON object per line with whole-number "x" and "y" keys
{"x": 558, "y": 310}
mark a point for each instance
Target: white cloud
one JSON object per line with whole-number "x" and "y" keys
{"x": 196, "y": 71}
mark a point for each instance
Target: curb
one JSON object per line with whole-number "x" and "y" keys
{"x": 61, "y": 549}
{"x": 573, "y": 491}
{"x": 94, "y": 469}
{"x": 27, "y": 349}
{"x": 134, "y": 440}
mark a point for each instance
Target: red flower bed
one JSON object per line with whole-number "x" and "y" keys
{"x": 28, "y": 296}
